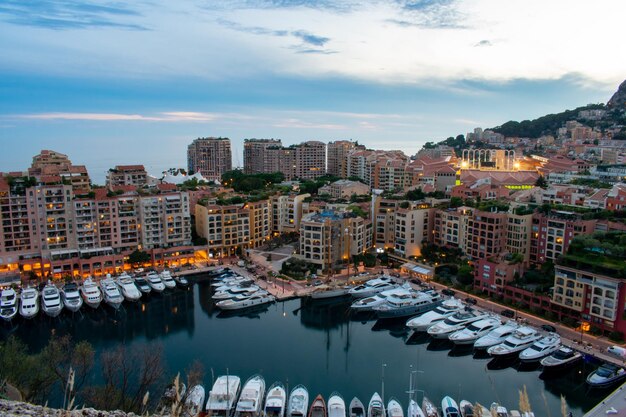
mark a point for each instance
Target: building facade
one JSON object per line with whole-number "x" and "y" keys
{"x": 211, "y": 157}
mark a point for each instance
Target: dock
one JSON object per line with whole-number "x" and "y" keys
{"x": 613, "y": 405}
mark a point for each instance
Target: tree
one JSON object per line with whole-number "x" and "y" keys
{"x": 465, "y": 275}
{"x": 138, "y": 257}
{"x": 541, "y": 182}
{"x": 456, "y": 202}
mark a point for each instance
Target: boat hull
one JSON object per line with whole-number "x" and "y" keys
{"x": 52, "y": 312}
{"x": 405, "y": 311}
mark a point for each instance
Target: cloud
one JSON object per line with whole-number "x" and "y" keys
{"x": 116, "y": 117}
{"x": 433, "y": 14}
{"x": 68, "y": 14}
{"x": 484, "y": 42}
{"x": 309, "y": 38}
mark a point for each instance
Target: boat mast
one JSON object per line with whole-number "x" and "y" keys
{"x": 382, "y": 380}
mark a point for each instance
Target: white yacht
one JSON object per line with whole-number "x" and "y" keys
{"x": 414, "y": 410}
{"x": 235, "y": 291}
{"x": 91, "y": 293}
{"x": 449, "y": 407}
{"x": 194, "y": 401}
{"x": 336, "y": 405}
{"x": 223, "y": 396}
{"x": 496, "y": 336}
{"x": 372, "y": 287}
{"x": 430, "y": 410}
{"x": 560, "y": 359}
{"x": 441, "y": 312}
{"x": 474, "y": 331}
{"x": 167, "y": 279}
{"x": 368, "y": 303}
{"x": 71, "y": 297}
{"x": 51, "y": 303}
{"x": 111, "y": 292}
{"x": 276, "y": 401}
{"x": 8, "y": 304}
{"x": 245, "y": 301}
{"x": 498, "y": 410}
{"x": 606, "y": 375}
{"x": 541, "y": 348}
{"x": 250, "y": 401}
{"x": 522, "y": 338}
{"x": 155, "y": 282}
{"x": 143, "y": 285}
{"x": 231, "y": 282}
{"x": 298, "y": 405}
{"x": 357, "y": 409}
{"x": 376, "y": 408}
{"x": 128, "y": 287}
{"x": 29, "y": 302}
{"x": 181, "y": 280}
{"x": 456, "y": 322}
{"x": 330, "y": 291}
{"x": 408, "y": 304}
{"x": 394, "y": 409}
{"x": 467, "y": 409}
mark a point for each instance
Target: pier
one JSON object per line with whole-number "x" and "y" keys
{"x": 613, "y": 405}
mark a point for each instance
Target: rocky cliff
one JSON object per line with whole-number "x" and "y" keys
{"x": 618, "y": 101}
{"x": 15, "y": 409}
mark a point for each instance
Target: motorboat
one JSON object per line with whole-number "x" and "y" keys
{"x": 223, "y": 396}
{"x": 235, "y": 291}
{"x": 449, "y": 407}
{"x": 373, "y": 286}
{"x": 336, "y": 405}
{"x": 408, "y": 304}
{"x": 440, "y": 313}
{"x": 128, "y": 287}
{"x": 8, "y": 304}
{"x": 521, "y": 338}
{"x": 454, "y": 323}
{"x": 246, "y": 301}
{"x": 171, "y": 395}
{"x": 71, "y": 297}
{"x": 606, "y": 376}
{"x": 232, "y": 280}
{"x": 318, "y": 407}
{"x": 541, "y": 348}
{"x": 276, "y": 401}
{"x": 357, "y": 409}
{"x": 250, "y": 401}
{"x": 496, "y": 336}
{"x": 298, "y": 404}
{"x": 229, "y": 285}
{"x": 155, "y": 282}
{"x": 29, "y": 303}
{"x": 91, "y": 293}
{"x": 330, "y": 291}
{"x": 143, "y": 285}
{"x": 414, "y": 410}
{"x": 167, "y": 279}
{"x": 376, "y": 408}
{"x": 194, "y": 401}
{"x": 429, "y": 408}
{"x": 474, "y": 331}
{"x": 111, "y": 292}
{"x": 51, "y": 303}
{"x": 394, "y": 409}
{"x": 181, "y": 281}
{"x": 498, "y": 410}
{"x": 562, "y": 358}
{"x": 368, "y": 303}
{"x": 466, "y": 408}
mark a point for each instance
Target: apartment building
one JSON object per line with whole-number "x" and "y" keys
{"x": 553, "y": 232}
{"x": 413, "y": 226}
{"x": 287, "y": 212}
{"x": 310, "y": 158}
{"x": 486, "y": 234}
{"x": 337, "y": 154}
{"x": 384, "y": 170}
{"x": 493, "y": 275}
{"x": 164, "y": 220}
{"x": 450, "y": 227}
{"x": 134, "y": 175}
{"x": 344, "y": 189}
{"x": 518, "y": 235}
{"x": 261, "y": 155}
{"x": 211, "y": 157}
{"x": 51, "y": 167}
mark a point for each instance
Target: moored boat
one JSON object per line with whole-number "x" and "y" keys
{"x": 357, "y": 409}
{"x": 373, "y": 286}
{"x": 449, "y": 407}
{"x": 8, "y": 304}
{"x": 155, "y": 282}
{"x": 250, "y": 401}
{"x": 143, "y": 285}
{"x": 368, "y": 303}
{"x": 606, "y": 375}
{"x": 246, "y": 301}
{"x": 51, "y": 303}
{"x": 318, "y": 407}
{"x": 541, "y": 348}
{"x": 128, "y": 287}
{"x": 414, "y": 410}
{"x": 408, "y": 304}
{"x": 298, "y": 404}
{"x": 276, "y": 401}
{"x": 336, "y": 405}
{"x": 376, "y": 408}
{"x": 330, "y": 291}
{"x": 456, "y": 322}
{"x": 91, "y": 293}
{"x": 235, "y": 291}
{"x": 496, "y": 336}
{"x": 498, "y": 410}
{"x": 71, "y": 297}
{"x": 111, "y": 293}
{"x": 194, "y": 401}
{"x": 394, "y": 409}
{"x": 29, "y": 305}
{"x": 440, "y": 313}
{"x": 474, "y": 331}
{"x": 561, "y": 359}
{"x": 223, "y": 396}
{"x": 466, "y": 408}
{"x": 181, "y": 280}
{"x": 522, "y": 338}
{"x": 167, "y": 279}
{"x": 429, "y": 408}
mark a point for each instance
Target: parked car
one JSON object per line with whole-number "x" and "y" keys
{"x": 448, "y": 292}
{"x": 470, "y": 300}
{"x": 416, "y": 281}
{"x": 317, "y": 282}
{"x": 548, "y": 328}
{"x": 508, "y": 313}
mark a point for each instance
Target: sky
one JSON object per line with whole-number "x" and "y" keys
{"x": 110, "y": 82}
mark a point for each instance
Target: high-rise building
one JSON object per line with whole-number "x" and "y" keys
{"x": 337, "y": 154}
{"x": 211, "y": 157}
{"x": 50, "y": 168}
{"x": 310, "y": 160}
{"x": 259, "y": 155}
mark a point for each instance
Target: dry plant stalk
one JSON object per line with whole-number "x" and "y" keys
{"x": 524, "y": 402}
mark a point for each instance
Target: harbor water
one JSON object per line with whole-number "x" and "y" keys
{"x": 318, "y": 344}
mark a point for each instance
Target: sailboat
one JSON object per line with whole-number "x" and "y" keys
{"x": 413, "y": 409}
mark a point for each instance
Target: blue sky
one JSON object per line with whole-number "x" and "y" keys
{"x": 112, "y": 83}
